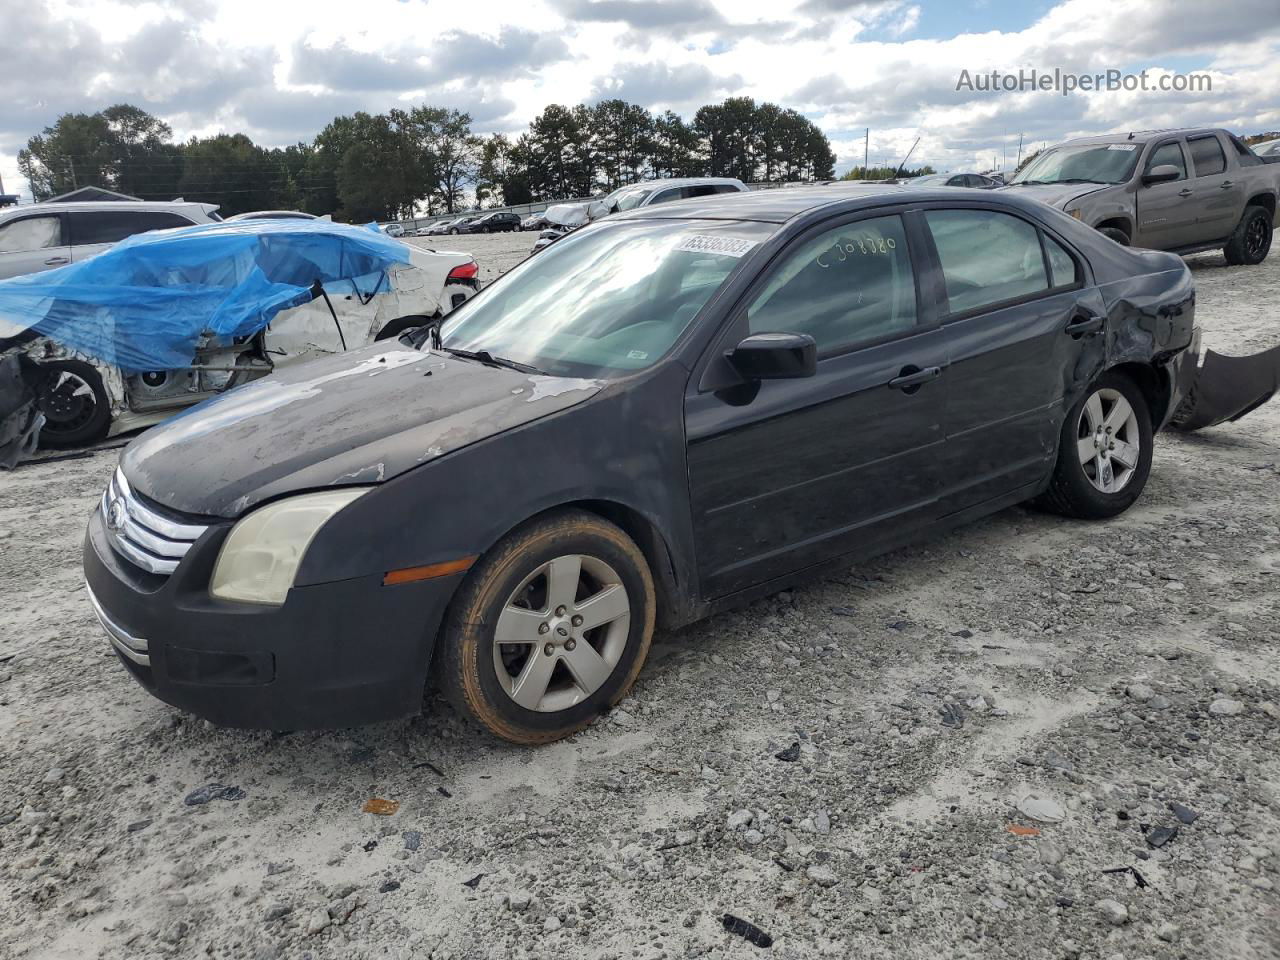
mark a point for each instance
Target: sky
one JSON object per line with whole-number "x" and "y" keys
{"x": 278, "y": 70}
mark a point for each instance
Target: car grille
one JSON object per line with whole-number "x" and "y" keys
{"x": 142, "y": 536}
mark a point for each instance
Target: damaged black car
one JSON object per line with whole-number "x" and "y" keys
{"x": 663, "y": 415}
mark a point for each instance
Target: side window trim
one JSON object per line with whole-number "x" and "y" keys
{"x": 1222, "y": 154}
{"x": 1182, "y": 152}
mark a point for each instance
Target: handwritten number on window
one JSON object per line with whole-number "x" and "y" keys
{"x": 865, "y": 246}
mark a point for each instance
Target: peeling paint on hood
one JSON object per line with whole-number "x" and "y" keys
{"x": 356, "y": 418}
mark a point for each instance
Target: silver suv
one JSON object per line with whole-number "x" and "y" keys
{"x": 47, "y": 235}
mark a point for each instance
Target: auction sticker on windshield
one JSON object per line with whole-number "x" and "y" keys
{"x": 726, "y": 246}
{"x": 1122, "y": 146}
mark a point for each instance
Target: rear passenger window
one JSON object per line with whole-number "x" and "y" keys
{"x": 848, "y": 285}
{"x": 986, "y": 257}
{"x": 110, "y": 226}
{"x": 1207, "y": 156}
{"x": 1169, "y": 154}
{"x": 1063, "y": 270}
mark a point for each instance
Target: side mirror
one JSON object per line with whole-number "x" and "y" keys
{"x": 775, "y": 356}
{"x": 1161, "y": 174}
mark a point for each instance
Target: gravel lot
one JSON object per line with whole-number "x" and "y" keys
{"x": 968, "y": 749}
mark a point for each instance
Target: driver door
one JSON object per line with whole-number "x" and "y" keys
{"x": 1166, "y": 211}
{"x": 785, "y": 474}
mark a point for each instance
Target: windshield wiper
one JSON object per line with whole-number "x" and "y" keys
{"x": 488, "y": 359}
{"x": 1037, "y": 183}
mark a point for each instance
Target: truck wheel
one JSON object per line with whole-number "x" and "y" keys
{"x": 1116, "y": 234}
{"x": 1251, "y": 241}
{"x": 75, "y": 404}
{"x": 550, "y": 628}
{"x": 1104, "y": 453}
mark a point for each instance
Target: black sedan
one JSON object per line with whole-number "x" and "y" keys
{"x": 666, "y": 414}
{"x": 491, "y": 223}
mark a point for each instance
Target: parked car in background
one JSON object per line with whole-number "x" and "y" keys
{"x": 498, "y": 222}
{"x": 43, "y": 236}
{"x": 441, "y": 226}
{"x": 275, "y": 215}
{"x": 976, "y": 180}
{"x": 459, "y": 226}
{"x": 909, "y": 360}
{"x": 535, "y": 221}
{"x": 650, "y": 192}
{"x": 1178, "y": 190}
{"x": 1268, "y": 148}
{"x": 138, "y": 296}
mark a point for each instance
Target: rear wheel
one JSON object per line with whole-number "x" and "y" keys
{"x": 1104, "y": 455}
{"x": 550, "y": 629}
{"x": 1251, "y": 241}
{"x": 75, "y": 404}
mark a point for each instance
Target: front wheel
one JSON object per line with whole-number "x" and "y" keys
{"x": 1104, "y": 455}
{"x": 75, "y": 404}
{"x": 550, "y": 629}
{"x": 1251, "y": 241}
{"x": 1116, "y": 234}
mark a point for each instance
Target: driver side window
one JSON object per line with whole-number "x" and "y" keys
{"x": 1170, "y": 154}
{"x": 846, "y": 286}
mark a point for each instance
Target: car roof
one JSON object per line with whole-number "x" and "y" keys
{"x": 780, "y": 206}
{"x": 111, "y": 206}
{"x": 1139, "y": 136}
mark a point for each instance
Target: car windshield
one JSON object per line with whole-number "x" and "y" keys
{"x": 1084, "y": 163}
{"x": 930, "y": 181}
{"x": 606, "y": 300}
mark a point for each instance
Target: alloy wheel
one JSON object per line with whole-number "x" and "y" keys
{"x": 1108, "y": 442}
{"x": 1255, "y": 238}
{"x": 561, "y": 633}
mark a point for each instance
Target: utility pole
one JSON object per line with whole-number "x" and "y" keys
{"x": 1019, "y": 149}
{"x": 866, "y": 154}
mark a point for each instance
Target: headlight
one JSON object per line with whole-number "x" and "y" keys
{"x": 1074, "y": 213}
{"x": 262, "y": 553}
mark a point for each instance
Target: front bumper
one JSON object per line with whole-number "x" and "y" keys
{"x": 333, "y": 655}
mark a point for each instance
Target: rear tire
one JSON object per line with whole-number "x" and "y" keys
{"x": 542, "y": 586}
{"x": 75, "y": 404}
{"x": 1104, "y": 452}
{"x": 1116, "y": 234}
{"x": 1251, "y": 240}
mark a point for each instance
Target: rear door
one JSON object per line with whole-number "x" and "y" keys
{"x": 784, "y": 474}
{"x": 1023, "y": 331}
{"x": 1219, "y": 193}
{"x": 93, "y": 231}
{"x": 33, "y": 243}
{"x": 1166, "y": 211}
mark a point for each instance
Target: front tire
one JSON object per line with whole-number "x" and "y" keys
{"x": 550, "y": 629}
{"x": 1116, "y": 234}
{"x": 1104, "y": 453}
{"x": 75, "y": 404}
{"x": 1251, "y": 240}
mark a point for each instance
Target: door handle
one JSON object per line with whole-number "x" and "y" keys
{"x": 1226, "y": 185}
{"x": 911, "y": 378}
{"x": 55, "y": 261}
{"x": 1184, "y": 193}
{"x": 1082, "y": 326}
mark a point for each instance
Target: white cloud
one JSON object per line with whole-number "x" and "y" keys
{"x": 278, "y": 70}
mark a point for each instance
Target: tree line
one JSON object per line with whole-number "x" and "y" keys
{"x": 426, "y": 159}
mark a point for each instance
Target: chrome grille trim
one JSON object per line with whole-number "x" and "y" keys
{"x": 142, "y": 536}
{"x": 135, "y": 648}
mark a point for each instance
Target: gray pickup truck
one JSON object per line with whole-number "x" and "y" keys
{"x": 1178, "y": 190}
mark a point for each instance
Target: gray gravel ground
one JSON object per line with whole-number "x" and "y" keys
{"x": 966, "y": 749}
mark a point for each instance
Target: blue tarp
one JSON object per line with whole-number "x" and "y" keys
{"x": 145, "y": 303}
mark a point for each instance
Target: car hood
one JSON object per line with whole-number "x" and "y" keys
{"x": 354, "y": 419}
{"x": 1057, "y": 194}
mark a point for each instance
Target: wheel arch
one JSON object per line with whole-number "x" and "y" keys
{"x": 1119, "y": 223}
{"x": 1154, "y": 384}
{"x": 674, "y": 598}
{"x": 1267, "y": 201}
